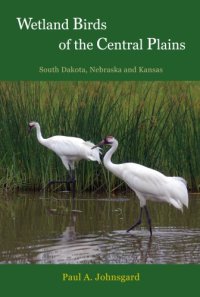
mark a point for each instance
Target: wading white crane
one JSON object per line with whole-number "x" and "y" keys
{"x": 69, "y": 149}
{"x": 148, "y": 184}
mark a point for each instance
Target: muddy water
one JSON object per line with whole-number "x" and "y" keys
{"x": 50, "y": 228}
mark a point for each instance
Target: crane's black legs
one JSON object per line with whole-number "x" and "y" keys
{"x": 72, "y": 181}
{"x": 148, "y": 219}
{"x": 72, "y": 175}
{"x": 139, "y": 221}
{"x": 68, "y": 181}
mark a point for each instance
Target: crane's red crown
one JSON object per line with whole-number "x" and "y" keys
{"x": 108, "y": 139}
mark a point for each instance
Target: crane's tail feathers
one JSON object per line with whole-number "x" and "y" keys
{"x": 181, "y": 179}
{"x": 91, "y": 145}
{"x": 94, "y": 154}
{"x": 181, "y": 194}
{"x": 176, "y": 203}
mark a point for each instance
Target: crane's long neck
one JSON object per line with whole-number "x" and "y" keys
{"x": 107, "y": 158}
{"x": 39, "y": 135}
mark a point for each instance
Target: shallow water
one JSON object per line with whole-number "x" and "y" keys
{"x": 51, "y": 228}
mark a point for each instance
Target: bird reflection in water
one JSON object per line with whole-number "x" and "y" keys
{"x": 142, "y": 248}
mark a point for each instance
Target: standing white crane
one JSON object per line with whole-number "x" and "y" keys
{"x": 69, "y": 149}
{"x": 148, "y": 184}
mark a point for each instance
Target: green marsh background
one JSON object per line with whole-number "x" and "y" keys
{"x": 157, "y": 124}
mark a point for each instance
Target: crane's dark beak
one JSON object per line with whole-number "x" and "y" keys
{"x": 98, "y": 144}
{"x": 29, "y": 128}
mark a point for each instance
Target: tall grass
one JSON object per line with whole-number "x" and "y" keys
{"x": 157, "y": 124}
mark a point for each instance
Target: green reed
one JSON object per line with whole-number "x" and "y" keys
{"x": 157, "y": 124}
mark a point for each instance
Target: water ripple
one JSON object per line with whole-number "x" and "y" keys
{"x": 37, "y": 236}
{"x": 166, "y": 246}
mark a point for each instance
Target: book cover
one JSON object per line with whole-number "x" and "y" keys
{"x": 125, "y": 75}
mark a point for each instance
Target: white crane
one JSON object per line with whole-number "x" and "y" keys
{"x": 69, "y": 149}
{"x": 148, "y": 184}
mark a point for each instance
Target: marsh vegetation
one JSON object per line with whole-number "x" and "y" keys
{"x": 157, "y": 124}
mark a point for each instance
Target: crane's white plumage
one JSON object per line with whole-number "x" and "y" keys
{"x": 69, "y": 149}
{"x": 148, "y": 184}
